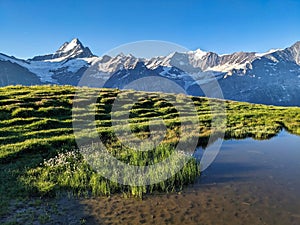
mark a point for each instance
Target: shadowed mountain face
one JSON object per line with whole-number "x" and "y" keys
{"x": 13, "y": 74}
{"x": 269, "y": 78}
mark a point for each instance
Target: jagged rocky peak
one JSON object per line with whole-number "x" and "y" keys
{"x": 110, "y": 64}
{"x": 295, "y": 52}
{"x": 73, "y": 49}
{"x": 69, "y": 46}
{"x": 69, "y": 50}
{"x": 296, "y": 45}
{"x": 289, "y": 54}
{"x": 125, "y": 61}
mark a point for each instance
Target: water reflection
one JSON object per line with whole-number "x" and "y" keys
{"x": 279, "y": 156}
{"x": 249, "y": 182}
{"x": 271, "y": 167}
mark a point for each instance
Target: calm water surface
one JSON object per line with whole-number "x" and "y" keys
{"x": 263, "y": 173}
{"x": 250, "y": 182}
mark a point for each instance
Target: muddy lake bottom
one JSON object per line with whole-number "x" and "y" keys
{"x": 250, "y": 182}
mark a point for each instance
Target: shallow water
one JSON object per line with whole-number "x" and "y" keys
{"x": 250, "y": 182}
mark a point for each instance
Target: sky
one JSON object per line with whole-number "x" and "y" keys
{"x": 37, "y": 27}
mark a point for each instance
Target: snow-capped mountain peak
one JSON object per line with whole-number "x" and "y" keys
{"x": 68, "y": 46}
{"x": 197, "y": 54}
{"x": 268, "y": 52}
{"x": 69, "y": 50}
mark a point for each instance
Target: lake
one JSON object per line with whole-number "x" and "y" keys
{"x": 250, "y": 182}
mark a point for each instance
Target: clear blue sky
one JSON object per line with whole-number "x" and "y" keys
{"x": 34, "y": 27}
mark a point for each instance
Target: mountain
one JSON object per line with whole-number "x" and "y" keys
{"x": 269, "y": 78}
{"x": 273, "y": 78}
{"x": 69, "y": 50}
{"x": 65, "y": 66}
{"x": 12, "y": 73}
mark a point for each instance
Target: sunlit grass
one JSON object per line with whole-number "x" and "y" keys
{"x": 36, "y": 127}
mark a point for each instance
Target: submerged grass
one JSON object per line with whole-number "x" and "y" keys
{"x": 38, "y": 153}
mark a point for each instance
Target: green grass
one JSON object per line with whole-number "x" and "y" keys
{"x": 36, "y": 127}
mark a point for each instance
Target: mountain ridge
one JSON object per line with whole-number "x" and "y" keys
{"x": 270, "y": 78}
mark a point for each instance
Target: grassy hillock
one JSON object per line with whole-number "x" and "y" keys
{"x": 38, "y": 153}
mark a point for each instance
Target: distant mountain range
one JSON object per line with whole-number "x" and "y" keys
{"x": 268, "y": 78}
